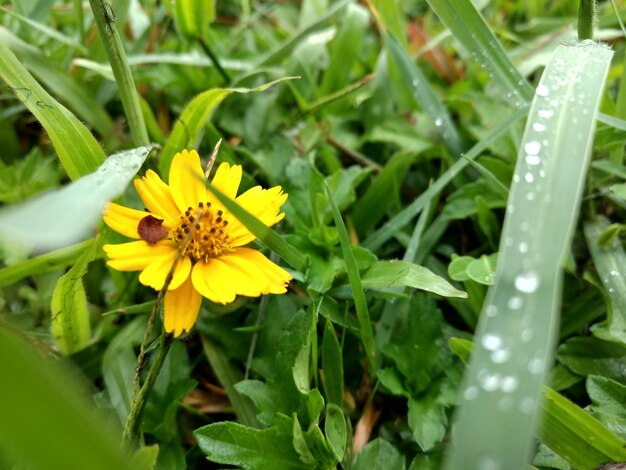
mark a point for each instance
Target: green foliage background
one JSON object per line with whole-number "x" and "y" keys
{"x": 397, "y": 144}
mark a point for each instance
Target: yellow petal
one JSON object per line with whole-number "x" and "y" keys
{"x": 187, "y": 180}
{"x": 181, "y": 307}
{"x": 135, "y": 256}
{"x": 264, "y": 204}
{"x": 155, "y": 273}
{"x": 227, "y": 179}
{"x": 157, "y": 197}
{"x": 123, "y": 219}
{"x": 210, "y": 279}
{"x": 270, "y": 276}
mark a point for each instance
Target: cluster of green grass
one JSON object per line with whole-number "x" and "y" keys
{"x": 455, "y": 173}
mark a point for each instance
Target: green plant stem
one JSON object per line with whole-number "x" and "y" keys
{"x": 585, "y": 19}
{"x": 105, "y": 19}
{"x": 78, "y": 6}
{"x": 131, "y": 428}
{"x": 208, "y": 51}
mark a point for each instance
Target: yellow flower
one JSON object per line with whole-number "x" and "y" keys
{"x": 185, "y": 217}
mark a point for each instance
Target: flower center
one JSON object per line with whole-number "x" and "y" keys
{"x": 203, "y": 231}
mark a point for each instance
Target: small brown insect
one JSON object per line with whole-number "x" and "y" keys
{"x": 151, "y": 229}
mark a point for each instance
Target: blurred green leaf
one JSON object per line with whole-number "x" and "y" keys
{"x": 194, "y": 16}
{"x": 70, "y": 313}
{"x": 591, "y": 356}
{"x": 332, "y": 365}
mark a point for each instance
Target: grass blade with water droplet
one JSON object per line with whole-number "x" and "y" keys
{"x": 515, "y": 337}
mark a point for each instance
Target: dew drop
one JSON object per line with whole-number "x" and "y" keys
{"x": 523, "y": 247}
{"x": 527, "y": 282}
{"x": 542, "y": 90}
{"x": 527, "y": 405}
{"x": 500, "y": 356}
{"x": 533, "y": 159}
{"x": 491, "y": 342}
{"x": 538, "y": 127}
{"x": 535, "y": 366}
{"x": 508, "y": 384}
{"x": 529, "y": 177}
{"x": 438, "y": 122}
{"x": 532, "y": 147}
{"x": 526, "y": 335}
{"x": 490, "y": 382}
{"x": 546, "y": 113}
{"x": 470, "y": 393}
{"x": 515, "y": 303}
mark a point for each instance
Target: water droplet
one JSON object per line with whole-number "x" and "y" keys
{"x": 491, "y": 310}
{"x": 527, "y": 282}
{"x": 535, "y": 366}
{"x": 500, "y": 356}
{"x": 529, "y": 177}
{"x": 491, "y": 342}
{"x": 490, "y": 382}
{"x": 538, "y": 127}
{"x": 532, "y": 147}
{"x": 439, "y": 122}
{"x": 508, "y": 384}
{"x": 546, "y": 113}
{"x": 533, "y": 159}
{"x": 515, "y": 303}
{"x": 542, "y": 90}
{"x": 526, "y": 335}
{"x": 470, "y": 393}
{"x": 523, "y": 247}
{"x": 527, "y": 405}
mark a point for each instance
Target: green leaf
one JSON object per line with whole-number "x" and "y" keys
{"x": 388, "y": 274}
{"x": 607, "y": 403}
{"x": 233, "y": 444}
{"x": 378, "y": 454}
{"x": 518, "y": 325}
{"x": 52, "y": 261}
{"x": 65, "y": 216}
{"x": 610, "y": 263}
{"x": 336, "y": 430}
{"x": 194, "y": 16}
{"x": 427, "y": 419}
{"x": 76, "y": 148}
{"x": 332, "y": 365}
{"x": 457, "y": 269}
{"x": 193, "y": 119}
{"x": 70, "y": 315}
{"x": 483, "y": 269}
{"x": 41, "y": 407}
{"x": 424, "y": 95}
{"x": 591, "y": 356}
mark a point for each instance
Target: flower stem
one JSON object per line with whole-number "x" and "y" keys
{"x": 586, "y": 13}
{"x": 105, "y": 19}
{"x": 130, "y": 434}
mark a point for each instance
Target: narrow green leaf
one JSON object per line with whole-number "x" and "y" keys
{"x": 52, "y": 261}
{"x": 41, "y": 407}
{"x": 472, "y": 32}
{"x": 193, "y": 119}
{"x": 517, "y": 329}
{"x": 265, "y": 234}
{"x": 367, "y": 332}
{"x": 567, "y": 429}
{"x": 389, "y": 274}
{"x": 402, "y": 218}
{"x": 425, "y": 96}
{"x": 76, "y": 148}
{"x": 70, "y": 213}
{"x": 70, "y": 315}
{"x": 610, "y": 263}
{"x": 332, "y": 365}
{"x": 228, "y": 377}
{"x": 194, "y": 16}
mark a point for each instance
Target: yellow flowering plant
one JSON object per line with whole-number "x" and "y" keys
{"x": 185, "y": 230}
